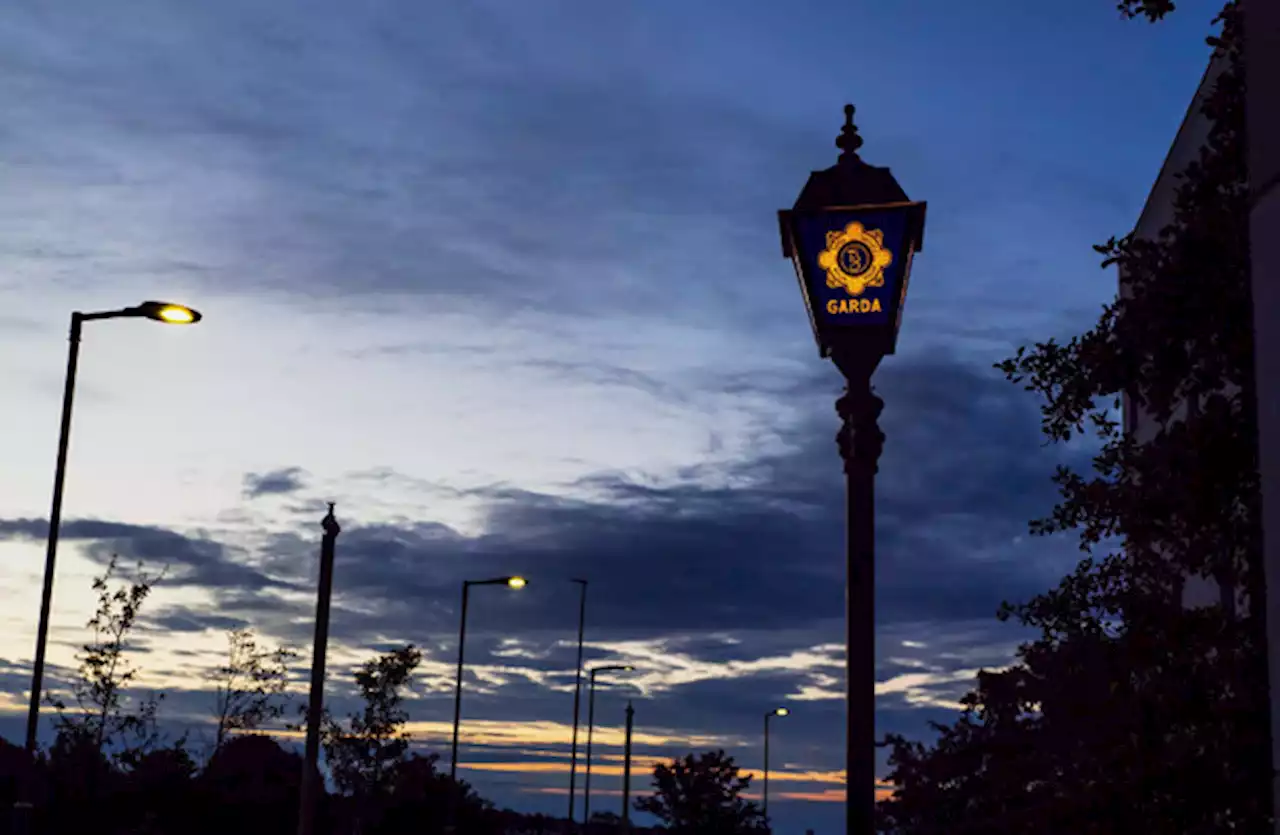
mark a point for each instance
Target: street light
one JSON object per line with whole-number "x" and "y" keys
{"x": 778, "y": 711}
{"x": 577, "y": 693}
{"x": 173, "y": 314}
{"x": 510, "y": 582}
{"x": 851, "y": 237}
{"x": 591, "y": 726}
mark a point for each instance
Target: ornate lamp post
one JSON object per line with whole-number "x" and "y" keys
{"x": 778, "y": 711}
{"x": 851, "y": 236}
{"x": 311, "y": 778}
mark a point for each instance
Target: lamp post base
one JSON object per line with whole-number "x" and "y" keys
{"x": 21, "y": 821}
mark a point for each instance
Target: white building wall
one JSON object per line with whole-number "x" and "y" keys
{"x": 1262, "y": 45}
{"x": 1156, "y": 214}
{"x": 1262, "y": 39}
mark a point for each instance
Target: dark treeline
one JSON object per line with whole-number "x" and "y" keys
{"x": 112, "y": 770}
{"x": 249, "y": 786}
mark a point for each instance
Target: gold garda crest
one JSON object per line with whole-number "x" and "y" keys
{"x": 855, "y": 258}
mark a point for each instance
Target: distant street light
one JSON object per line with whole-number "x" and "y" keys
{"x": 778, "y": 711}
{"x": 577, "y": 693}
{"x": 851, "y": 236}
{"x": 591, "y": 726}
{"x": 509, "y": 582}
{"x": 174, "y": 314}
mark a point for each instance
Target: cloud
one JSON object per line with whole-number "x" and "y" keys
{"x": 189, "y": 560}
{"x": 274, "y": 482}
{"x": 750, "y": 547}
{"x": 295, "y": 196}
{"x": 722, "y": 585}
{"x": 318, "y": 163}
{"x": 188, "y": 621}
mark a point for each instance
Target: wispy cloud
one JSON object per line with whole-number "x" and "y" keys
{"x": 274, "y": 482}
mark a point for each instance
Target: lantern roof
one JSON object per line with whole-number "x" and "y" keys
{"x": 850, "y": 182}
{"x": 851, "y": 236}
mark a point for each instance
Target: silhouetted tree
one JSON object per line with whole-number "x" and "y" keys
{"x": 19, "y": 777}
{"x": 101, "y": 716}
{"x": 604, "y": 823}
{"x": 105, "y": 734}
{"x": 159, "y": 792}
{"x": 702, "y": 795}
{"x": 1130, "y": 713}
{"x": 364, "y": 753}
{"x": 249, "y": 688}
{"x": 82, "y": 783}
{"x": 421, "y": 798}
{"x": 250, "y": 786}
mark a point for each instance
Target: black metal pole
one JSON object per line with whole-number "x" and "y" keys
{"x": 626, "y": 771}
{"x": 577, "y": 695}
{"x": 591, "y": 727}
{"x": 315, "y": 704}
{"x": 51, "y": 541}
{"x": 860, "y": 441}
{"x": 23, "y": 808}
{"x": 457, "y": 685}
{"x": 765, "y": 805}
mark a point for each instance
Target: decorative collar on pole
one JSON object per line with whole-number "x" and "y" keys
{"x": 329, "y": 523}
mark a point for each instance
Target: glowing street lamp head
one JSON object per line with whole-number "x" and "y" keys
{"x": 782, "y": 711}
{"x": 517, "y": 582}
{"x": 171, "y": 314}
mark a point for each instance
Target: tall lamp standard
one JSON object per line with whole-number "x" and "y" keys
{"x": 851, "y": 236}
{"x": 315, "y": 700}
{"x": 173, "y": 314}
{"x": 780, "y": 711}
{"x": 591, "y": 727}
{"x": 577, "y": 693}
{"x": 509, "y": 582}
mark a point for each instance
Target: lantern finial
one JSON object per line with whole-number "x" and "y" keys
{"x": 849, "y": 142}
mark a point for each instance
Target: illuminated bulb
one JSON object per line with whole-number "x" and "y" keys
{"x": 177, "y": 315}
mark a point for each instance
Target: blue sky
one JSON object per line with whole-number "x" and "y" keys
{"x": 503, "y": 280}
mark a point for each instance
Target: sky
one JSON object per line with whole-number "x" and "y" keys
{"x": 502, "y": 279}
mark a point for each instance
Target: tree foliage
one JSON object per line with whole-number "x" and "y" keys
{"x": 1130, "y": 711}
{"x": 703, "y": 795}
{"x": 250, "y": 785}
{"x": 364, "y": 753}
{"x": 104, "y": 718}
{"x": 249, "y": 690}
{"x": 422, "y": 799}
